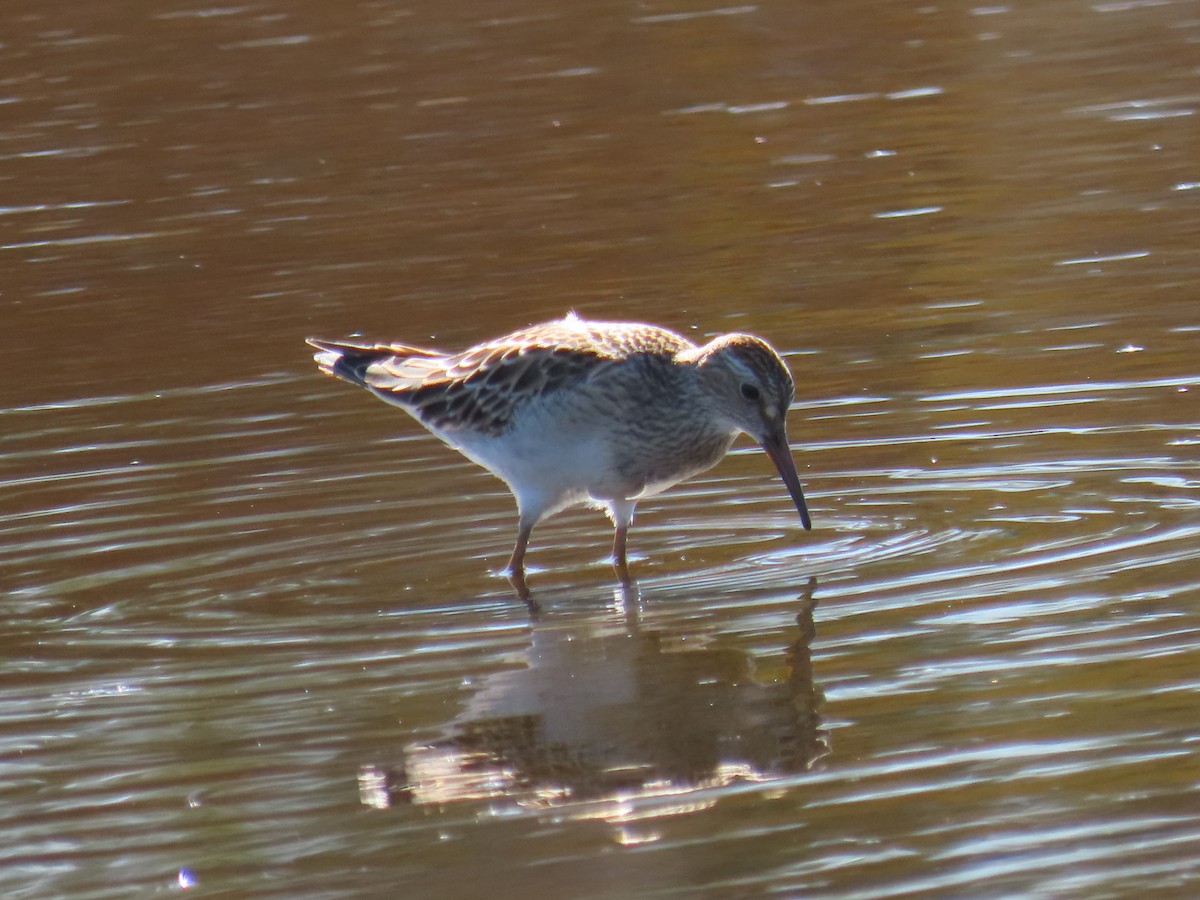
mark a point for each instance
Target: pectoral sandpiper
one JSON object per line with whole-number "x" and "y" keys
{"x": 574, "y": 411}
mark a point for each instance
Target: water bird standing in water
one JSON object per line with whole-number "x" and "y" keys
{"x": 574, "y": 411}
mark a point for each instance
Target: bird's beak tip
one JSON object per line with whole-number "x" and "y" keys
{"x": 777, "y": 448}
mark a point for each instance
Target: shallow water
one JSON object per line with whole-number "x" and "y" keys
{"x": 253, "y": 642}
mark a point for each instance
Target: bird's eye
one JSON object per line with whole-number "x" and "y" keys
{"x": 750, "y": 392}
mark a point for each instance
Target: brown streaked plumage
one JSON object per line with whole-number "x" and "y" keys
{"x": 575, "y": 411}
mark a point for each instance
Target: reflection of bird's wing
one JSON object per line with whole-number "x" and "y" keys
{"x": 482, "y": 388}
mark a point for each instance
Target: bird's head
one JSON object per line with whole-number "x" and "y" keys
{"x": 750, "y": 387}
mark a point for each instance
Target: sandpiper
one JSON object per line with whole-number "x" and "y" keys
{"x": 575, "y": 411}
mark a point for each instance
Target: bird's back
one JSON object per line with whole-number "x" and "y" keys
{"x": 483, "y": 388}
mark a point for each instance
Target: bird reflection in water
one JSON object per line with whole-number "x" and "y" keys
{"x": 615, "y": 715}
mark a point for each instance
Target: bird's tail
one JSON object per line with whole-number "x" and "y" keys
{"x": 349, "y": 360}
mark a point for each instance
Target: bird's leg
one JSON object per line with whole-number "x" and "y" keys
{"x": 516, "y": 562}
{"x": 621, "y": 511}
{"x": 517, "y": 580}
{"x": 620, "y": 563}
{"x": 516, "y": 565}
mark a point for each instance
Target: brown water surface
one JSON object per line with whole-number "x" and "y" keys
{"x": 252, "y": 638}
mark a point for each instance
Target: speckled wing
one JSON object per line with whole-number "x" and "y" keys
{"x": 482, "y": 388}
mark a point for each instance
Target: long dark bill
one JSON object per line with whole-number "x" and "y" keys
{"x": 777, "y": 448}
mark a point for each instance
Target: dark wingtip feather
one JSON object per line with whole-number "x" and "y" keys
{"x": 344, "y": 359}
